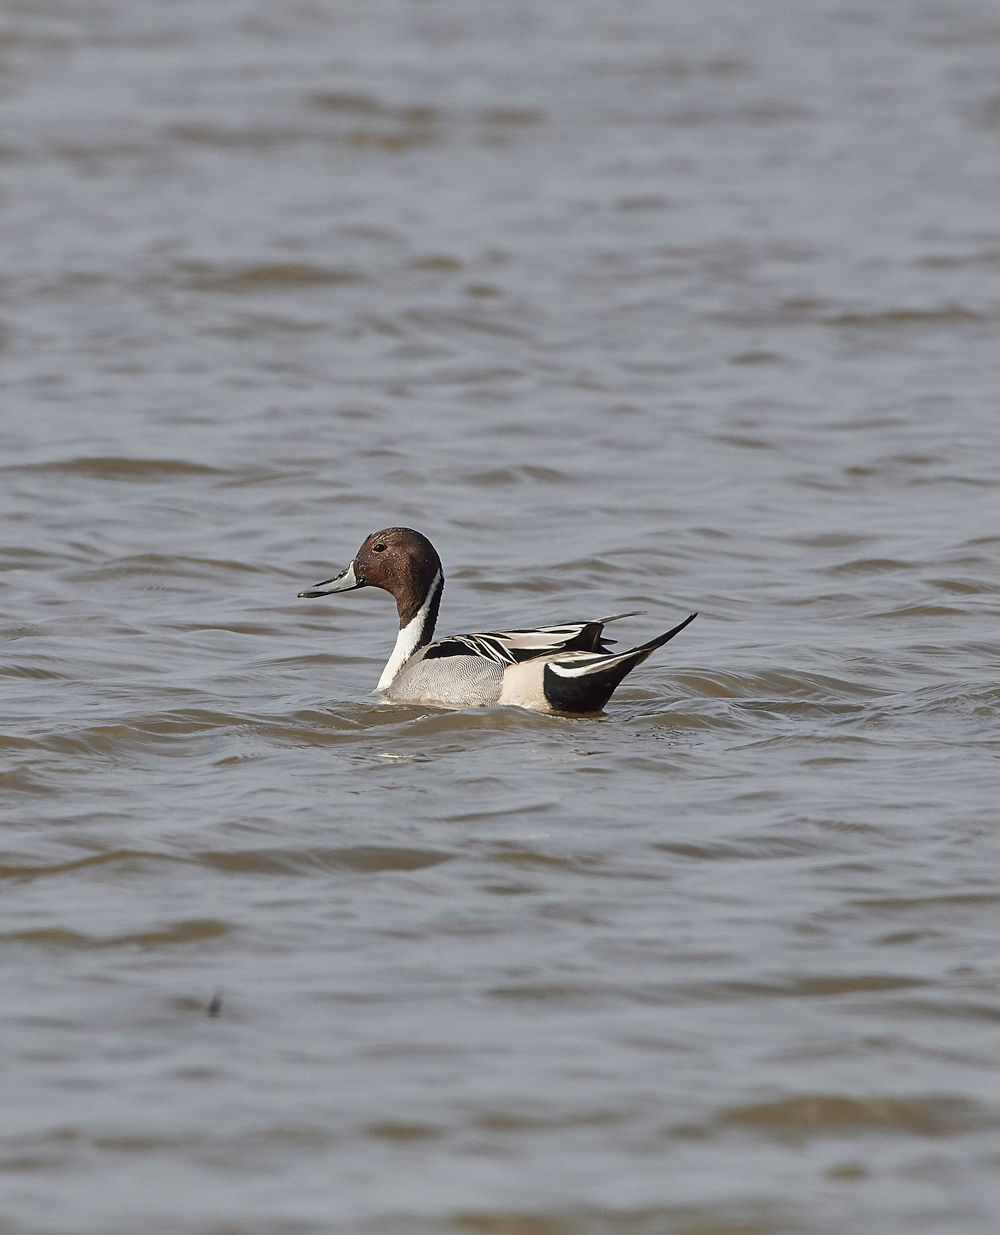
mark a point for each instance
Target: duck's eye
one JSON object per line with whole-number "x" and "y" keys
{"x": 379, "y": 548}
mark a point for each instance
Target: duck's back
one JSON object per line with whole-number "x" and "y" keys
{"x": 468, "y": 670}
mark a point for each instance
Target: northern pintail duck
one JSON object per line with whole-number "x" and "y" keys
{"x": 564, "y": 668}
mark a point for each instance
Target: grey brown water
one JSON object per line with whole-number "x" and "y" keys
{"x": 646, "y": 306}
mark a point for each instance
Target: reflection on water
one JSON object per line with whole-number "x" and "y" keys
{"x": 666, "y": 308}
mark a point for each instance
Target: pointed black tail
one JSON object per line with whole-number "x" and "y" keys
{"x": 572, "y": 686}
{"x": 658, "y": 642}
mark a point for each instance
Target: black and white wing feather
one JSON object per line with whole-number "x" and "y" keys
{"x": 511, "y": 647}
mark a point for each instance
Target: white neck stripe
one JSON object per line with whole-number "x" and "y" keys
{"x": 410, "y": 637}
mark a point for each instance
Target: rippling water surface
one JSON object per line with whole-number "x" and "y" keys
{"x": 642, "y": 306}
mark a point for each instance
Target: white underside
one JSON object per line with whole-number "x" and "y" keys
{"x": 408, "y": 639}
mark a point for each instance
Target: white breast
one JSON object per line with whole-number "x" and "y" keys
{"x": 409, "y": 638}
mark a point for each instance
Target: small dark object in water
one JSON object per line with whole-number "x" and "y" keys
{"x": 215, "y": 1006}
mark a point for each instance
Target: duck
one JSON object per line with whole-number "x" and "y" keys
{"x": 565, "y": 669}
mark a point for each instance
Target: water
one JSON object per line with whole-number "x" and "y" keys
{"x": 665, "y": 307}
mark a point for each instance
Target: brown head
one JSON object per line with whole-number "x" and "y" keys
{"x": 399, "y": 561}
